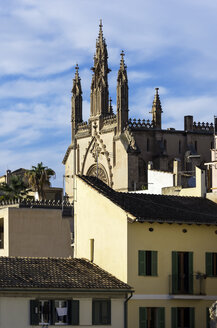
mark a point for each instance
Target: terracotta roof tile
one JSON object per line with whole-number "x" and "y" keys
{"x": 159, "y": 208}
{"x": 25, "y": 272}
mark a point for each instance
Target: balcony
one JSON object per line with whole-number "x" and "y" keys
{"x": 182, "y": 284}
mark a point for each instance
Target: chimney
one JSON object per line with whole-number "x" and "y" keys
{"x": 188, "y": 123}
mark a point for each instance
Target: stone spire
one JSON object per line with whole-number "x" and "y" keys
{"x": 156, "y": 110}
{"x": 76, "y": 102}
{"x": 99, "y": 87}
{"x": 122, "y": 96}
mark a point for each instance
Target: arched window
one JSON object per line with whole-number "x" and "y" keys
{"x": 148, "y": 145}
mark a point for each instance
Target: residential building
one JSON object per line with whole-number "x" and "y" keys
{"x": 163, "y": 246}
{"x": 29, "y": 228}
{"x": 52, "y": 292}
{"x": 116, "y": 148}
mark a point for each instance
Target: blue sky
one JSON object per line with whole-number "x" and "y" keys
{"x": 169, "y": 44}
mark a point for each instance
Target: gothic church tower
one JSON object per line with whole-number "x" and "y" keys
{"x": 99, "y": 86}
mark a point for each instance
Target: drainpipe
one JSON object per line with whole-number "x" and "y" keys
{"x": 125, "y": 310}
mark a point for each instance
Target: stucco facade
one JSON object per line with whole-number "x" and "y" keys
{"x": 18, "y": 304}
{"x": 118, "y": 240}
{"x": 35, "y": 232}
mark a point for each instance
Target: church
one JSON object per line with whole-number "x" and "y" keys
{"x": 117, "y": 148}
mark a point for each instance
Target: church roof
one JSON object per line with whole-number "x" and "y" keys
{"x": 159, "y": 208}
{"x": 55, "y": 273}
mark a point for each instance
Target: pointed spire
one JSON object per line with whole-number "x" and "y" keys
{"x": 122, "y": 95}
{"x": 156, "y": 110}
{"x": 100, "y": 37}
{"x": 110, "y": 106}
{"x": 99, "y": 85}
{"x": 76, "y": 114}
{"x": 76, "y": 89}
{"x": 122, "y": 63}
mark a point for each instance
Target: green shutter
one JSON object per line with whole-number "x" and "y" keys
{"x": 191, "y": 317}
{"x": 174, "y": 272}
{"x": 34, "y": 312}
{"x": 142, "y": 317}
{"x": 209, "y": 264}
{"x": 207, "y": 318}
{"x": 52, "y": 312}
{"x": 154, "y": 263}
{"x": 74, "y": 313}
{"x": 161, "y": 317}
{"x": 142, "y": 263}
{"x": 174, "y": 317}
{"x": 190, "y": 270}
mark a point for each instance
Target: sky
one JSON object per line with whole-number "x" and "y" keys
{"x": 169, "y": 44}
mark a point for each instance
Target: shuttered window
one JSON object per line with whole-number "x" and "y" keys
{"x": 151, "y": 317}
{"x": 147, "y": 263}
{"x": 182, "y": 272}
{"x": 101, "y": 312}
{"x": 211, "y": 264}
{"x": 62, "y": 312}
{"x": 182, "y": 317}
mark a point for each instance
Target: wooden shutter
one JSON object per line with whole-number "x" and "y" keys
{"x": 73, "y": 312}
{"x": 52, "y": 312}
{"x": 161, "y": 317}
{"x": 209, "y": 264}
{"x": 207, "y": 318}
{"x": 142, "y": 263}
{"x": 34, "y": 312}
{"x": 154, "y": 263}
{"x": 174, "y": 317}
{"x": 174, "y": 272}
{"x": 191, "y": 317}
{"x": 190, "y": 270}
{"x": 142, "y": 317}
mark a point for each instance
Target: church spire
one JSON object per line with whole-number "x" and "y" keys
{"x": 76, "y": 102}
{"x": 156, "y": 110}
{"x": 122, "y": 95}
{"x": 99, "y": 86}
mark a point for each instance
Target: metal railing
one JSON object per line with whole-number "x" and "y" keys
{"x": 182, "y": 284}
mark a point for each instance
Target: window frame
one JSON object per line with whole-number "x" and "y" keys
{"x": 101, "y": 321}
{"x": 147, "y": 263}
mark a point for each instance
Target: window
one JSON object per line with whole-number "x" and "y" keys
{"x": 182, "y": 273}
{"x": 182, "y": 317}
{"x": 151, "y": 317}
{"x": 54, "y": 312}
{"x": 147, "y": 263}
{"x": 195, "y": 145}
{"x": 165, "y": 145}
{"x": 180, "y": 146}
{"x": 1, "y": 232}
{"x": 101, "y": 312}
{"x": 211, "y": 264}
{"x": 148, "y": 145}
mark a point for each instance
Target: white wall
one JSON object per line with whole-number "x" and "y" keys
{"x": 156, "y": 181}
{"x": 15, "y": 312}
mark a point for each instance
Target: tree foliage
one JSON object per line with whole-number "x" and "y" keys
{"x": 14, "y": 189}
{"x": 39, "y": 178}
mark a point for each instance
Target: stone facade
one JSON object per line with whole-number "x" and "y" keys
{"x": 116, "y": 148}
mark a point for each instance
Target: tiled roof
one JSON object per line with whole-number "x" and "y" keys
{"x": 54, "y": 273}
{"x": 159, "y": 208}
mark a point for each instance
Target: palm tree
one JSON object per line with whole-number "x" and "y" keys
{"x": 38, "y": 179}
{"x": 14, "y": 189}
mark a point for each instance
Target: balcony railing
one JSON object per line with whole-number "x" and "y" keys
{"x": 182, "y": 284}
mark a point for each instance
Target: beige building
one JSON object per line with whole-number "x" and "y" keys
{"x": 36, "y": 229}
{"x": 163, "y": 246}
{"x": 50, "y": 292}
{"x": 116, "y": 148}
